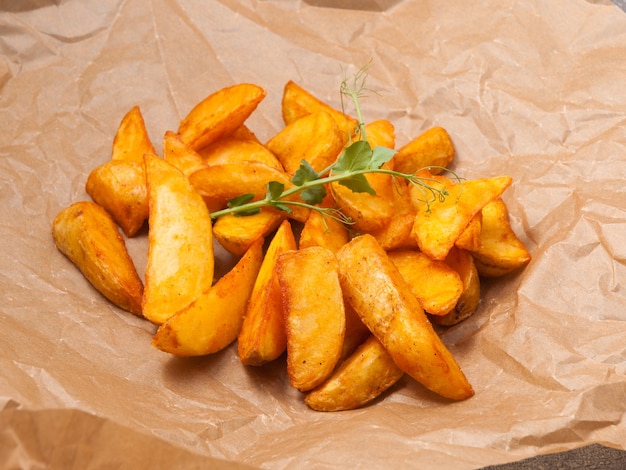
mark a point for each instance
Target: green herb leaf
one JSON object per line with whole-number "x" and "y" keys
{"x": 314, "y": 195}
{"x": 240, "y": 200}
{"x": 380, "y": 156}
{"x": 274, "y": 190}
{"x": 356, "y": 157}
{"x": 358, "y": 184}
{"x": 304, "y": 174}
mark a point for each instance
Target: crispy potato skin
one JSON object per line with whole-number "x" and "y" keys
{"x": 213, "y": 320}
{"x": 315, "y": 320}
{"x": 180, "y": 242}
{"x": 432, "y": 148}
{"x": 88, "y": 236}
{"x": 219, "y": 114}
{"x": 385, "y": 303}
{"x": 365, "y": 375}
{"x": 263, "y": 337}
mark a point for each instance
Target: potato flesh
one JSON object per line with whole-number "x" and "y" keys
{"x": 263, "y": 337}
{"x": 365, "y": 375}
{"x": 314, "y": 315}
{"x": 385, "y": 303}
{"x": 180, "y": 252}
{"x": 88, "y": 236}
{"x": 213, "y": 320}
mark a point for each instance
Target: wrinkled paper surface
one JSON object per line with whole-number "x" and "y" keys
{"x": 532, "y": 89}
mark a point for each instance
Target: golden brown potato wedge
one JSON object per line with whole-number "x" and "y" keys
{"x": 217, "y": 184}
{"x": 213, "y": 320}
{"x": 263, "y": 337}
{"x": 463, "y": 263}
{"x": 132, "y": 141}
{"x": 314, "y": 137}
{"x": 397, "y": 233}
{"x": 180, "y": 252}
{"x": 432, "y": 148}
{"x": 438, "y": 223}
{"x": 365, "y": 375}
{"x": 234, "y": 150}
{"x": 314, "y": 315}
{"x": 120, "y": 187}
{"x": 500, "y": 251}
{"x": 88, "y": 236}
{"x": 435, "y": 284}
{"x": 237, "y": 233}
{"x": 183, "y": 157}
{"x": 322, "y": 230}
{"x": 385, "y": 303}
{"x": 381, "y": 133}
{"x": 469, "y": 239}
{"x": 219, "y": 114}
{"x": 298, "y": 102}
{"x": 356, "y": 331}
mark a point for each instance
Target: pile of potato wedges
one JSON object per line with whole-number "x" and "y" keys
{"x": 349, "y": 307}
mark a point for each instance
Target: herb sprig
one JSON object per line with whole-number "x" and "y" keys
{"x": 350, "y": 169}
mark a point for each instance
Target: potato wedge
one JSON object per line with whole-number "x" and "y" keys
{"x": 88, "y": 236}
{"x": 233, "y": 150}
{"x": 183, "y": 157}
{"x": 381, "y": 133}
{"x": 321, "y": 230}
{"x": 438, "y": 224}
{"x": 263, "y": 337}
{"x": 435, "y": 284}
{"x": 219, "y": 114}
{"x": 500, "y": 251}
{"x": 237, "y": 233}
{"x": 397, "y": 233}
{"x": 315, "y": 320}
{"x": 314, "y": 137}
{"x": 385, "y": 303}
{"x": 298, "y": 102}
{"x": 213, "y": 320}
{"x": 432, "y": 148}
{"x": 180, "y": 252}
{"x": 119, "y": 186}
{"x": 365, "y": 375}
{"x": 469, "y": 239}
{"x": 132, "y": 141}
{"x": 463, "y": 263}
{"x": 356, "y": 331}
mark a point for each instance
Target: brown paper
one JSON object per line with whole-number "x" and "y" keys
{"x": 532, "y": 89}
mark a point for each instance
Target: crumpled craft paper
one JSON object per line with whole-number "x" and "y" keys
{"x": 528, "y": 88}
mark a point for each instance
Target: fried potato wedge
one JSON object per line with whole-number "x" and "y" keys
{"x": 180, "y": 242}
{"x": 88, "y": 236}
{"x": 463, "y": 263}
{"x": 433, "y": 148}
{"x": 234, "y": 150}
{"x": 356, "y": 331}
{"x": 397, "y": 233}
{"x": 119, "y": 186}
{"x": 219, "y": 114}
{"x": 132, "y": 141}
{"x": 315, "y": 320}
{"x": 263, "y": 337}
{"x": 386, "y": 304}
{"x": 435, "y": 284}
{"x": 179, "y": 154}
{"x": 237, "y": 233}
{"x": 298, "y": 102}
{"x": 500, "y": 251}
{"x": 213, "y": 320}
{"x": 314, "y": 137}
{"x": 438, "y": 223}
{"x": 381, "y": 133}
{"x": 469, "y": 239}
{"x": 217, "y": 184}
{"x": 321, "y": 230}
{"x": 365, "y": 375}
